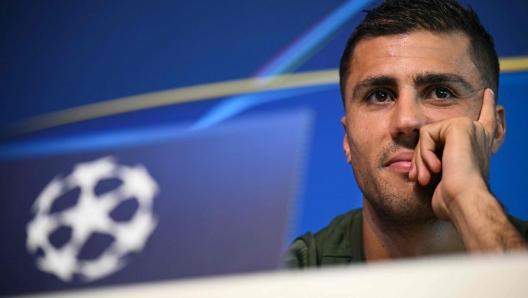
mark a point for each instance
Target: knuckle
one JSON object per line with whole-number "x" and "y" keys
{"x": 462, "y": 124}
{"x": 466, "y": 122}
{"x": 424, "y": 129}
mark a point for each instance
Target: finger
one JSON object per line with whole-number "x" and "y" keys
{"x": 418, "y": 163}
{"x": 487, "y": 116}
{"x": 428, "y": 149}
{"x": 413, "y": 173}
{"x": 427, "y": 161}
{"x": 423, "y": 172}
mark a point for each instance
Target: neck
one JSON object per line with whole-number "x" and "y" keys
{"x": 383, "y": 241}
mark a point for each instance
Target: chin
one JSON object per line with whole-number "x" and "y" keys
{"x": 394, "y": 198}
{"x": 403, "y": 211}
{"x": 401, "y": 203}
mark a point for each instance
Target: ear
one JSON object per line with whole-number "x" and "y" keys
{"x": 346, "y": 144}
{"x": 500, "y": 131}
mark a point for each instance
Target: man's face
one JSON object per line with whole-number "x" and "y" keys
{"x": 397, "y": 84}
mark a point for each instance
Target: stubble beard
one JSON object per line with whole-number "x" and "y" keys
{"x": 397, "y": 202}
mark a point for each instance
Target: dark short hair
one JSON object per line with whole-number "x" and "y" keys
{"x": 394, "y": 17}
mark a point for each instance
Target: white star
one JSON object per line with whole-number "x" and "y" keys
{"x": 59, "y": 262}
{"x": 131, "y": 236}
{"x": 89, "y": 215}
{"x": 139, "y": 183}
{"x": 38, "y": 231}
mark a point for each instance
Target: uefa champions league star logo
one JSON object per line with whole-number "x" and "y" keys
{"x": 92, "y": 214}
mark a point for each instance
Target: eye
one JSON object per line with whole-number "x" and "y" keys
{"x": 440, "y": 93}
{"x": 379, "y": 96}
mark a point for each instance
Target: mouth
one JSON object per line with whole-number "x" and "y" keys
{"x": 400, "y": 162}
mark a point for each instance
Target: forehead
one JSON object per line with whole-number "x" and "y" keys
{"x": 407, "y": 55}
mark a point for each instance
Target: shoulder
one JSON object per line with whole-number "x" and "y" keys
{"x": 520, "y": 225}
{"x": 331, "y": 245}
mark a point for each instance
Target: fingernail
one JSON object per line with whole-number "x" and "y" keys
{"x": 492, "y": 93}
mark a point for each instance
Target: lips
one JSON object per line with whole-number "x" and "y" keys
{"x": 400, "y": 162}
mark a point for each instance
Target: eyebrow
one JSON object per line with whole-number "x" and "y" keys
{"x": 437, "y": 78}
{"x": 377, "y": 81}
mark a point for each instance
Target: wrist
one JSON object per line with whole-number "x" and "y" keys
{"x": 462, "y": 203}
{"x": 482, "y": 223}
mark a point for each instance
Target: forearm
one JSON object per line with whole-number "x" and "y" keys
{"x": 483, "y": 225}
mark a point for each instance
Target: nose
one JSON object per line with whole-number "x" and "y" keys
{"x": 407, "y": 117}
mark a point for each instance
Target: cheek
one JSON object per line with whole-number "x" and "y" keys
{"x": 365, "y": 135}
{"x": 365, "y": 144}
